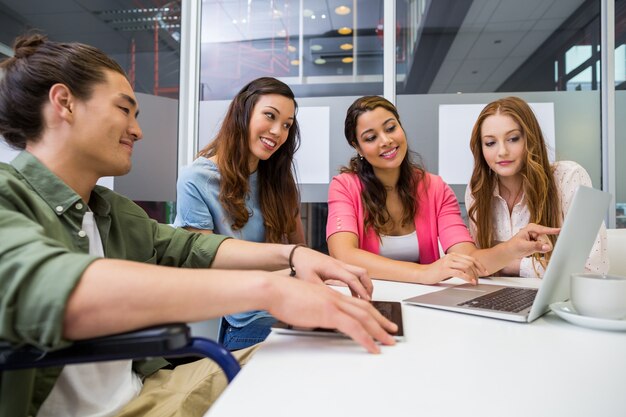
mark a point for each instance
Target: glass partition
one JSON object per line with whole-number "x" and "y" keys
{"x": 145, "y": 40}
{"x": 620, "y": 110}
{"x": 318, "y": 47}
{"x": 447, "y": 52}
{"x": 467, "y": 54}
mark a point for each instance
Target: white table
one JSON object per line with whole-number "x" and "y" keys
{"x": 451, "y": 364}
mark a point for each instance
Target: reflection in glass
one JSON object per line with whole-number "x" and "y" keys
{"x": 448, "y": 46}
{"x": 582, "y": 81}
{"x": 145, "y": 40}
{"x": 575, "y": 56}
{"x": 620, "y": 64}
{"x": 318, "y": 47}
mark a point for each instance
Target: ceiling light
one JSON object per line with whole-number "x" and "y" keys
{"x": 295, "y": 62}
{"x": 316, "y": 48}
{"x": 320, "y": 61}
{"x": 346, "y": 46}
{"x": 344, "y": 31}
{"x": 342, "y": 10}
{"x": 347, "y": 60}
{"x": 313, "y": 17}
{"x": 291, "y": 48}
{"x": 323, "y": 16}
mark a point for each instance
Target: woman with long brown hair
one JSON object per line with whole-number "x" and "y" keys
{"x": 242, "y": 185}
{"x": 388, "y": 215}
{"x": 513, "y": 183}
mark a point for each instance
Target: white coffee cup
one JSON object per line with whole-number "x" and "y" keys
{"x": 597, "y": 295}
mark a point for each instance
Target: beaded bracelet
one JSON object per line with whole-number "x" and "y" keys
{"x": 291, "y": 267}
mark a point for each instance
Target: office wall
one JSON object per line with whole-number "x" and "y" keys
{"x": 153, "y": 176}
{"x": 577, "y": 124}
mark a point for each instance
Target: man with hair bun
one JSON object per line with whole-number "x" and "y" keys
{"x": 79, "y": 261}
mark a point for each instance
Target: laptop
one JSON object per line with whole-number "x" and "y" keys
{"x": 392, "y": 310}
{"x": 570, "y": 254}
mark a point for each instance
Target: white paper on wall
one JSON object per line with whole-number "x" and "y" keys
{"x": 455, "y": 128}
{"x": 312, "y": 158}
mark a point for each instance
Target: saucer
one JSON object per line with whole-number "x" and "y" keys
{"x": 565, "y": 311}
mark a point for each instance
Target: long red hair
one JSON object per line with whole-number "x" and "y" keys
{"x": 540, "y": 189}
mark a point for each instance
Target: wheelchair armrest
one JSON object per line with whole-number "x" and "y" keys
{"x": 172, "y": 340}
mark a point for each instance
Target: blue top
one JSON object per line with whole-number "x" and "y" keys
{"x": 198, "y": 206}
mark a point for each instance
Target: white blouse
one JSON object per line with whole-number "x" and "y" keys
{"x": 568, "y": 176}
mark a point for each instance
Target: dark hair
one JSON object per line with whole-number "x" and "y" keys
{"x": 540, "y": 189}
{"x": 37, "y": 65}
{"x": 374, "y": 193}
{"x": 278, "y": 192}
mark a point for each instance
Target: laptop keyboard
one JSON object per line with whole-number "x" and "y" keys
{"x": 507, "y": 299}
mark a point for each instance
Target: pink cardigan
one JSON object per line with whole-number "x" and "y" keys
{"x": 438, "y": 216}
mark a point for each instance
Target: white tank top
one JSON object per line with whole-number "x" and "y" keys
{"x": 97, "y": 389}
{"x": 400, "y": 248}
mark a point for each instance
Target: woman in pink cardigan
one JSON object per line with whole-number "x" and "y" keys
{"x": 387, "y": 214}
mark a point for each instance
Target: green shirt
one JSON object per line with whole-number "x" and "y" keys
{"x": 44, "y": 252}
